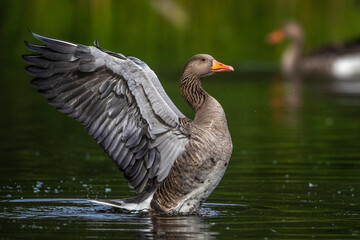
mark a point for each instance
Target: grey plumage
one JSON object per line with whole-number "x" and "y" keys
{"x": 119, "y": 101}
{"x": 48, "y": 53}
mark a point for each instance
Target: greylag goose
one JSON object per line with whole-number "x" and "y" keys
{"x": 338, "y": 60}
{"x": 122, "y": 105}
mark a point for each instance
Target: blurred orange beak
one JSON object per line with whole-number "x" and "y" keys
{"x": 275, "y": 36}
{"x": 219, "y": 67}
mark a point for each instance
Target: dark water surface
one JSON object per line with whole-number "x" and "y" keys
{"x": 294, "y": 172}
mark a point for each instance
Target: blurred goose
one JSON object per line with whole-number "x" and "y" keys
{"x": 122, "y": 105}
{"x": 340, "y": 60}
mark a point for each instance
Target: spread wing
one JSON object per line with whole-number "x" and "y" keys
{"x": 118, "y": 99}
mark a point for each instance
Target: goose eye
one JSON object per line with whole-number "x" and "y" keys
{"x": 203, "y": 59}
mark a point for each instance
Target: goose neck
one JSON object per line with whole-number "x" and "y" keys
{"x": 192, "y": 91}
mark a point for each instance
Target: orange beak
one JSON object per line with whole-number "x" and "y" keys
{"x": 275, "y": 36}
{"x": 219, "y": 67}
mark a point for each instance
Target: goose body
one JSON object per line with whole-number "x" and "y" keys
{"x": 196, "y": 173}
{"x": 174, "y": 163}
{"x": 338, "y": 60}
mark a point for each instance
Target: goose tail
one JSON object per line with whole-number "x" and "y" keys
{"x": 137, "y": 203}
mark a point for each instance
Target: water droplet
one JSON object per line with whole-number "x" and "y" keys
{"x": 39, "y": 184}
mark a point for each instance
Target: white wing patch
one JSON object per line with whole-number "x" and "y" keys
{"x": 347, "y": 67}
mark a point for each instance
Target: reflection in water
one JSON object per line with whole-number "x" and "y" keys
{"x": 350, "y": 87}
{"x": 102, "y": 218}
{"x": 286, "y": 99}
{"x": 176, "y": 227}
{"x": 286, "y": 94}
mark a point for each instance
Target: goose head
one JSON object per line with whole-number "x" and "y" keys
{"x": 203, "y": 65}
{"x": 291, "y": 57}
{"x": 289, "y": 30}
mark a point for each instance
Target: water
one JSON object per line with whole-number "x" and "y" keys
{"x": 294, "y": 172}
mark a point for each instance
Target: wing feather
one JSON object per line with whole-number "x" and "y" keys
{"x": 119, "y": 101}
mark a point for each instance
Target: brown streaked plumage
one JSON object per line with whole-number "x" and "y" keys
{"x": 121, "y": 103}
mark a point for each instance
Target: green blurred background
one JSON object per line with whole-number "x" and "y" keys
{"x": 166, "y": 33}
